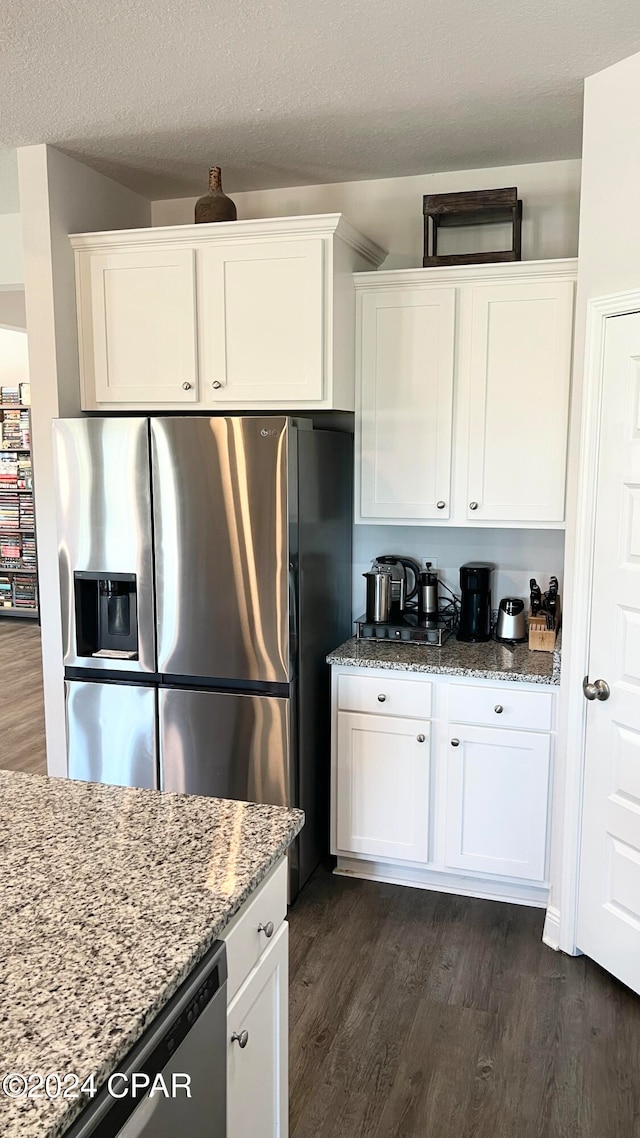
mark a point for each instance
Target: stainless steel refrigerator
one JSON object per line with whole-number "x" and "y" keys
{"x": 205, "y": 569}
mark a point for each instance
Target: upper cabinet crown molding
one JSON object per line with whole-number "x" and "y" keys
{"x": 256, "y": 229}
{"x": 241, "y": 315}
{"x": 523, "y": 271}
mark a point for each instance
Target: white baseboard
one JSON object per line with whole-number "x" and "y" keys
{"x": 551, "y": 931}
{"x": 440, "y": 882}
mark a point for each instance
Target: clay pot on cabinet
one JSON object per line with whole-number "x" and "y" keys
{"x": 215, "y": 205}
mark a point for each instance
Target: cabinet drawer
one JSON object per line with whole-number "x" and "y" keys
{"x": 385, "y": 696}
{"x": 501, "y": 707}
{"x": 244, "y": 939}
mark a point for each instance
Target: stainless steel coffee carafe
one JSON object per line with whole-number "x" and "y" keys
{"x": 379, "y": 579}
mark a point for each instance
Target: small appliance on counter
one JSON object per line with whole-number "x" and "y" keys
{"x": 378, "y": 579}
{"x": 423, "y": 621}
{"x": 475, "y": 605}
{"x": 511, "y": 627}
{"x": 402, "y": 589}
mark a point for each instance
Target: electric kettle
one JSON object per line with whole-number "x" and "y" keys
{"x": 402, "y": 589}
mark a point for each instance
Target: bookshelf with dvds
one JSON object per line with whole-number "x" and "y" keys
{"x": 18, "y": 566}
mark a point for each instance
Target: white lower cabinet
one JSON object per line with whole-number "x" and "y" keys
{"x": 453, "y": 794}
{"x": 257, "y": 1048}
{"x": 257, "y": 940}
{"x": 497, "y": 795}
{"x": 383, "y": 780}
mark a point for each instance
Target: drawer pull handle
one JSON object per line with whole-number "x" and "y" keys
{"x": 473, "y": 505}
{"x": 441, "y": 505}
{"x": 498, "y": 709}
{"x": 455, "y": 742}
{"x": 267, "y": 929}
{"x": 186, "y": 386}
{"x": 420, "y": 738}
{"x": 241, "y": 1038}
{"x": 216, "y": 384}
{"x": 381, "y": 698}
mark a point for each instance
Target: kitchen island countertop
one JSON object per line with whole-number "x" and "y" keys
{"x": 110, "y": 897}
{"x": 488, "y": 661}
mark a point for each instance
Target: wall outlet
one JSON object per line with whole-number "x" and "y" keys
{"x": 429, "y": 562}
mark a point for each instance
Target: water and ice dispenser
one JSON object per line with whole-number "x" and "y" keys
{"x": 106, "y": 615}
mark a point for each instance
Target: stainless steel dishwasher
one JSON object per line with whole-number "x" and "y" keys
{"x": 187, "y": 1038}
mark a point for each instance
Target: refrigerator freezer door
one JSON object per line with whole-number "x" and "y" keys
{"x": 221, "y": 512}
{"x": 111, "y": 733}
{"x": 103, "y": 499}
{"x": 226, "y": 745}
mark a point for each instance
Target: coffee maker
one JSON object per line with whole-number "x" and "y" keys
{"x": 475, "y": 609}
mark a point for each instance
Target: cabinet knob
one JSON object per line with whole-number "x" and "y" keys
{"x": 473, "y": 505}
{"x": 241, "y": 1038}
{"x": 498, "y": 709}
{"x": 441, "y": 505}
{"x": 420, "y": 738}
{"x": 267, "y": 929}
{"x": 455, "y": 742}
{"x": 381, "y": 698}
{"x": 216, "y": 384}
{"x": 186, "y": 386}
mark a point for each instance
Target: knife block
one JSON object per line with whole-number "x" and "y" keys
{"x": 541, "y": 638}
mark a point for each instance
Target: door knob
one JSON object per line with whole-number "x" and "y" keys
{"x": 216, "y": 384}
{"x": 241, "y": 1038}
{"x": 267, "y": 929}
{"x": 420, "y": 738}
{"x": 599, "y": 689}
{"x": 441, "y": 505}
{"x": 455, "y": 742}
{"x": 473, "y": 505}
{"x": 186, "y": 386}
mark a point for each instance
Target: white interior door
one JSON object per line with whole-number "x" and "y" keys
{"x": 609, "y": 892}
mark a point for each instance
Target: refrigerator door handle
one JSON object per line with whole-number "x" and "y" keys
{"x": 293, "y": 616}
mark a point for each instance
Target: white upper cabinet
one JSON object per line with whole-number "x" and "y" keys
{"x": 463, "y": 381}
{"x": 262, "y": 322}
{"x": 519, "y": 377}
{"x": 246, "y": 315}
{"x": 406, "y": 408}
{"x": 140, "y": 326}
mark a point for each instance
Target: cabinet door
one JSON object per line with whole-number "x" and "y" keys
{"x": 257, "y": 1073}
{"x": 520, "y": 372}
{"x": 262, "y": 320}
{"x": 497, "y": 801}
{"x": 143, "y": 324}
{"x": 382, "y": 792}
{"x": 406, "y": 399}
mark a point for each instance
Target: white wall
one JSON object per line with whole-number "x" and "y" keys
{"x": 517, "y": 554}
{"x": 11, "y": 259}
{"x": 13, "y": 312}
{"x": 58, "y": 196}
{"x": 14, "y": 357}
{"x": 389, "y": 210}
{"x": 608, "y": 262}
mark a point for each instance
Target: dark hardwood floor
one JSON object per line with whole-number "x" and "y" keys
{"x": 22, "y": 746}
{"x": 422, "y": 1015}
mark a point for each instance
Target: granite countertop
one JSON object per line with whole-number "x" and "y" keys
{"x": 109, "y": 898}
{"x": 489, "y": 661}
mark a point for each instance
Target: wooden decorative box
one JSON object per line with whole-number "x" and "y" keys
{"x": 474, "y": 207}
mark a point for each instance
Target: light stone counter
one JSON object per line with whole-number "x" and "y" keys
{"x": 489, "y": 661}
{"x": 109, "y": 897}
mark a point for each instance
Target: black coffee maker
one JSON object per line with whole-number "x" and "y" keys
{"x": 475, "y": 611}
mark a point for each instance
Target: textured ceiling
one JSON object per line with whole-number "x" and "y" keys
{"x": 286, "y": 92}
